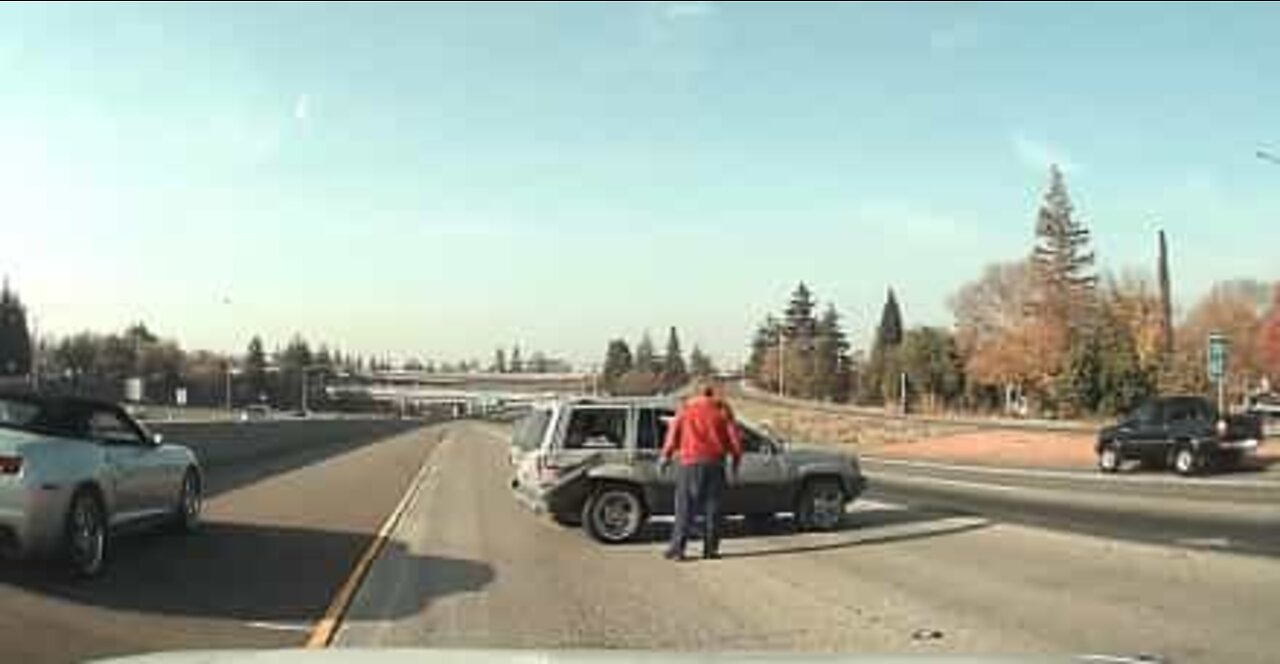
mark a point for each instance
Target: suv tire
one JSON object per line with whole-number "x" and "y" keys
{"x": 1185, "y": 460}
{"x": 821, "y": 505}
{"x": 1109, "y": 458}
{"x": 613, "y": 514}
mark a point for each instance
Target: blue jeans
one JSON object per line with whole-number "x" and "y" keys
{"x": 698, "y": 490}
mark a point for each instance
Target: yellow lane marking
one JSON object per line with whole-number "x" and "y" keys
{"x": 323, "y": 632}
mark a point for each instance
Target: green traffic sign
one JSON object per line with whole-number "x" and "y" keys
{"x": 1218, "y": 345}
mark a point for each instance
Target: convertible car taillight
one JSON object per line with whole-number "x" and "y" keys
{"x": 10, "y": 465}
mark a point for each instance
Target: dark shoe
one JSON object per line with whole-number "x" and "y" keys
{"x": 677, "y": 556}
{"x": 711, "y": 555}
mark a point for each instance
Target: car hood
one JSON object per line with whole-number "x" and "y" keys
{"x": 434, "y": 656}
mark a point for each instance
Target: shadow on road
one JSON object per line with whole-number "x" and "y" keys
{"x": 860, "y": 528}
{"x": 234, "y": 454}
{"x": 240, "y": 572}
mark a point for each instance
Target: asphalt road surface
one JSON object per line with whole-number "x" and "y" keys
{"x": 933, "y": 561}
{"x": 292, "y": 506}
{"x": 468, "y": 567}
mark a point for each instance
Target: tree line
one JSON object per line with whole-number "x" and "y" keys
{"x": 645, "y": 372}
{"x": 1043, "y": 334}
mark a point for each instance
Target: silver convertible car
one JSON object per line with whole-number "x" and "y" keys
{"x": 74, "y": 471}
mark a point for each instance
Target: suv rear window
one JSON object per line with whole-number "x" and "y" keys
{"x": 596, "y": 428}
{"x": 531, "y": 429}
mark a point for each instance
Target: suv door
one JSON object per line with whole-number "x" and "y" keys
{"x": 761, "y": 485}
{"x": 132, "y": 464}
{"x": 651, "y": 432}
{"x": 1145, "y": 431}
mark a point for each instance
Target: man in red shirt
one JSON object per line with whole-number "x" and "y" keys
{"x": 703, "y": 433}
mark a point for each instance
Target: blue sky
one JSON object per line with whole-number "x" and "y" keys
{"x": 438, "y": 180}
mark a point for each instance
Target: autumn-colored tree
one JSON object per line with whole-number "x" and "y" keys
{"x": 1231, "y": 308}
{"x": 1268, "y": 340}
{"x": 1003, "y": 343}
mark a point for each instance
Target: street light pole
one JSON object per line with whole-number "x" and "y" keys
{"x": 782, "y": 362}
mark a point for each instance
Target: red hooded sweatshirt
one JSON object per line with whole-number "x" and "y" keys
{"x": 703, "y": 432}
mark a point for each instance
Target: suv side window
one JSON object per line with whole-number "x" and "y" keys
{"x": 109, "y": 426}
{"x": 1146, "y": 413}
{"x": 752, "y": 441}
{"x": 596, "y": 428}
{"x": 653, "y": 428}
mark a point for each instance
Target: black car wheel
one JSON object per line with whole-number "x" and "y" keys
{"x": 821, "y": 505}
{"x": 613, "y": 514}
{"x": 186, "y": 518}
{"x": 85, "y": 536}
{"x": 1185, "y": 460}
{"x": 1109, "y": 458}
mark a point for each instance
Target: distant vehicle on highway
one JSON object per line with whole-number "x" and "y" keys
{"x": 255, "y": 412}
{"x": 1264, "y": 405}
{"x": 75, "y": 471}
{"x": 594, "y": 462}
{"x": 1185, "y": 432}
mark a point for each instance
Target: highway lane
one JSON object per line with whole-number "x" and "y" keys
{"x": 901, "y": 578}
{"x": 1230, "y": 512}
{"x": 292, "y": 507}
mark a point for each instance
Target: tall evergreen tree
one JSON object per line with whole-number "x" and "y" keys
{"x": 763, "y": 344}
{"x": 499, "y": 361}
{"x": 646, "y": 358}
{"x": 880, "y": 378}
{"x": 830, "y": 357}
{"x": 617, "y": 361}
{"x": 799, "y": 320}
{"x": 255, "y": 369}
{"x": 890, "y": 332}
{"x": 674, "y": 372}
{"x": 1062, "y": 260}
{"x": 15, "y": 339}
{"x": 699, "y": 364}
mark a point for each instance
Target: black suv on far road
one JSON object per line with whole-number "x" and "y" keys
{"x": 1185, "y": 432}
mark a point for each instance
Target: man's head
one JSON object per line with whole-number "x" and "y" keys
{"x": 706, "y": 388}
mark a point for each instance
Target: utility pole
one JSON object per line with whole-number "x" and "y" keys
{"x": 228, "y": 391}
{"x": 782, "y": 362}
{"x": 35, "y": 354}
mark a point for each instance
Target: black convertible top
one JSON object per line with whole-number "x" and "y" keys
{"x": 57, "y": 414}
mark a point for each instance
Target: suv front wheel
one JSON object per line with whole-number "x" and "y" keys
{"x": 613, "y": 514}
{"x": 821, "y": 505}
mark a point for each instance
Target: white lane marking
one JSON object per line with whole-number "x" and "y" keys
{"x": 1072, "y": 475}
{"x": 279, "y": 627}
{"x": 1210, "y": 542}
{"x": 868, "y": 504}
